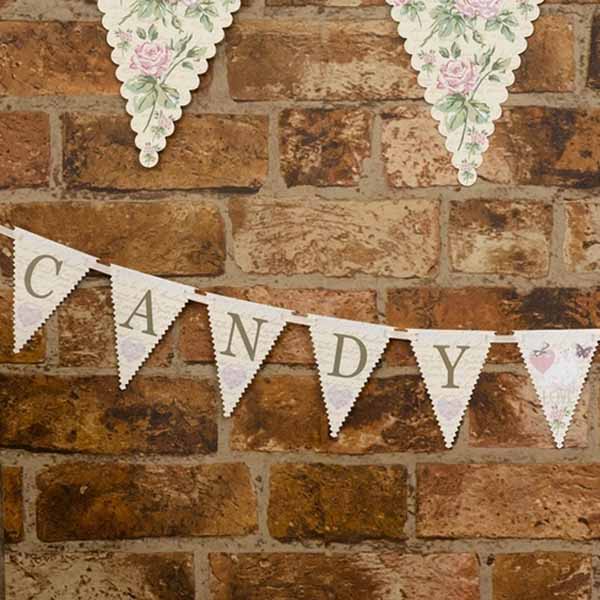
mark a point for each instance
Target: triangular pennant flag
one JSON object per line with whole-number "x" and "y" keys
{"x": 144, "y": 309}
{"x": 346, "y": 353}
{"x": 161, "y": 47}
{"x": 450, "y": 362}
{"x": 45, "y": 274}
{"x": 465, "y": 52}
{"x": 243, "y": 334}
{"x": 558, "y": 363}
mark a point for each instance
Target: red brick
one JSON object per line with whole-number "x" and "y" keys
{"x": 163, "y": 238}
{"x": 332, "y": 60}
{"x": 217, "y": 151}
{"x": 541, "y": 501}
{"x": 99, "y": 576}
{"x": 337, "y": 503}
{"x": 593, "y": 80}
{"x": 324, "y": 147}
{"x": 24, "y": 148}
{"x": 360, "y": 575}
{"x": 81, "y": 501}
{"x": 12, "y": 503}
{"x": 339, "y": 239}
{"x": 581, "y": 249}
{"x": 285, "y": 413}
{"x": 89, "y": 414}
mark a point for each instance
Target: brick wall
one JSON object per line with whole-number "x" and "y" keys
{"x": 308, "y": 174}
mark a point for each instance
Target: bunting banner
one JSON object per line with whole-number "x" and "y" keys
{"x": 346, "y": 353}
{"x": 558, "y": 363}
{"x": 144, "y": 309}
{"x": 243, "y": 334}
{"x": 45, "y": 274}
{"x": 450, "y": 362}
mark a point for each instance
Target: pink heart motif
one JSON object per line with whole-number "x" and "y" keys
{"x": 339, "y": 397}
{"x": 542, "y": 361}
{"x": 29, "y": 314}
{"x": 449, "y": 409}
{"x": 132, "y": 350}
{"x": 233, "y": 377}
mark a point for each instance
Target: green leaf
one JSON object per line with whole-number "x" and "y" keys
{"x": 196, "y": 52}
{"x": 478, "y": 111}
{"x": 456, "y": 120}
{"x": 451, "y": 103}
{"x": 208, "y": 25}
{"x": 141, "y": 33}
{"x": 455, "y": 49}
{"x": 492, "y": 25}
{"x": 494, "y": 78}
{"x": 188, "y": 65}
{"x": 142, "y": 84}
{"x": 507, "y": 33}
{"x": 444, "y": 52}
{"x": 153, "y": 33}
{"x": 143, "y": 103}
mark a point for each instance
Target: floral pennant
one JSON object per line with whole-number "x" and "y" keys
{"x": 558, "y": 363}
{"x": 161, "y": 47}
{"x": 144, "y": 309}
{"x": 346, "y": 353}
{"x": 450, "y": 362}
{"x": 243, "y": 334}
{"x": 465, "y": 52}
{"x": 45, "y": 274}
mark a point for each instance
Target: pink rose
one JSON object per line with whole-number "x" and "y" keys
{"x": 151, "y": 58}
{"x": 458, "y": 76}
{"x": 479, "y": 8}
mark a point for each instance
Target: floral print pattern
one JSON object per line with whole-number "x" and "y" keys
{"x": 465, "y": 52}
{"x": 161, "y": 47}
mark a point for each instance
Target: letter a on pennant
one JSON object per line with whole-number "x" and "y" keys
{"x": 243, "y": 334}
{"x": 450, "y": 362}
{"x": 144, "y": 309}
{"x": 346, "y": 353}
{"x": 45, "y": 274}
{"x": 161, "y": 47}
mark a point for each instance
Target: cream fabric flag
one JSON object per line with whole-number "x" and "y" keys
{"x": 346, "y": 353}
{"x": 144, "y": 309}
{"x": 450, "y": 362}
{"x": 558, "y": 363}
{"x": 243, "y": 334}
{"x": 45, "y": 274}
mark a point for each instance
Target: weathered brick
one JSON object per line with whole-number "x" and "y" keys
{"x": 343, "y": 60}
{"x": 531, "y": 146}
{"x": 55, "y": 59}
{"x": 337, "y": 503}
{"x": 82, "y": 501}
{"x": 34, "y": 352}
{"x": 548, "y": 65}
{"x": 24, "y": 148}
{"x": 87, "y": 335}
{"x": 12, "y": 503}
{"x": 500, "y": 309}
{"x": 386, "y": 238}
{"x": 323, "y": 3}
{"x": 505, "y": 412}
{"x": 581, "y": 249}
{"x": 542, "y": 501}
{"x": 99, "y": 576}
{"x": 491, "y": 236}
{"x": 385, "y": 576}
{"x": 324, "y": 147}
{"x": 594, "y": 60}
{"x": 89, "y": 414}
{"x": 163, "y": 238}
{"x": 542, "y": 575}
{"x": 285, "y": 413}
{"x": 217, "y": 150}
{"x": 294, "y": 345}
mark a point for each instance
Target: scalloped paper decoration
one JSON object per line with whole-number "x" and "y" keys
{"x": 243, "y": 334}
{"x": 465, "y": 52}
{"x": 161, "y": 47}
{"x": 558, "y": 363}
{"x": 144, "y": 309}
{"x": 45, "y": 274}
{"x": 346, "y": 352}
{"x": 450, "y": 362}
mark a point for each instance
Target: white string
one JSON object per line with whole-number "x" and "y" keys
{"x": 296, "y": 319}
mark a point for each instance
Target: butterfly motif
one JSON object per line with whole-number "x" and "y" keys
{"x": 543, "y": 350}
{"x": 583, "y": 352}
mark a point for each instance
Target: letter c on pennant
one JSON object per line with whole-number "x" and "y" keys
{"x": 31, "y": 268}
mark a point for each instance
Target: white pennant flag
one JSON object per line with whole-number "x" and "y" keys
{"x": 450, "y": 362}
{"x": 558, "y": 363}
{"x": 346, "y": 353}
{"x": 243, "y": 334}
{"x": 45, "y": 274}
{"x": 144, "y": 309}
